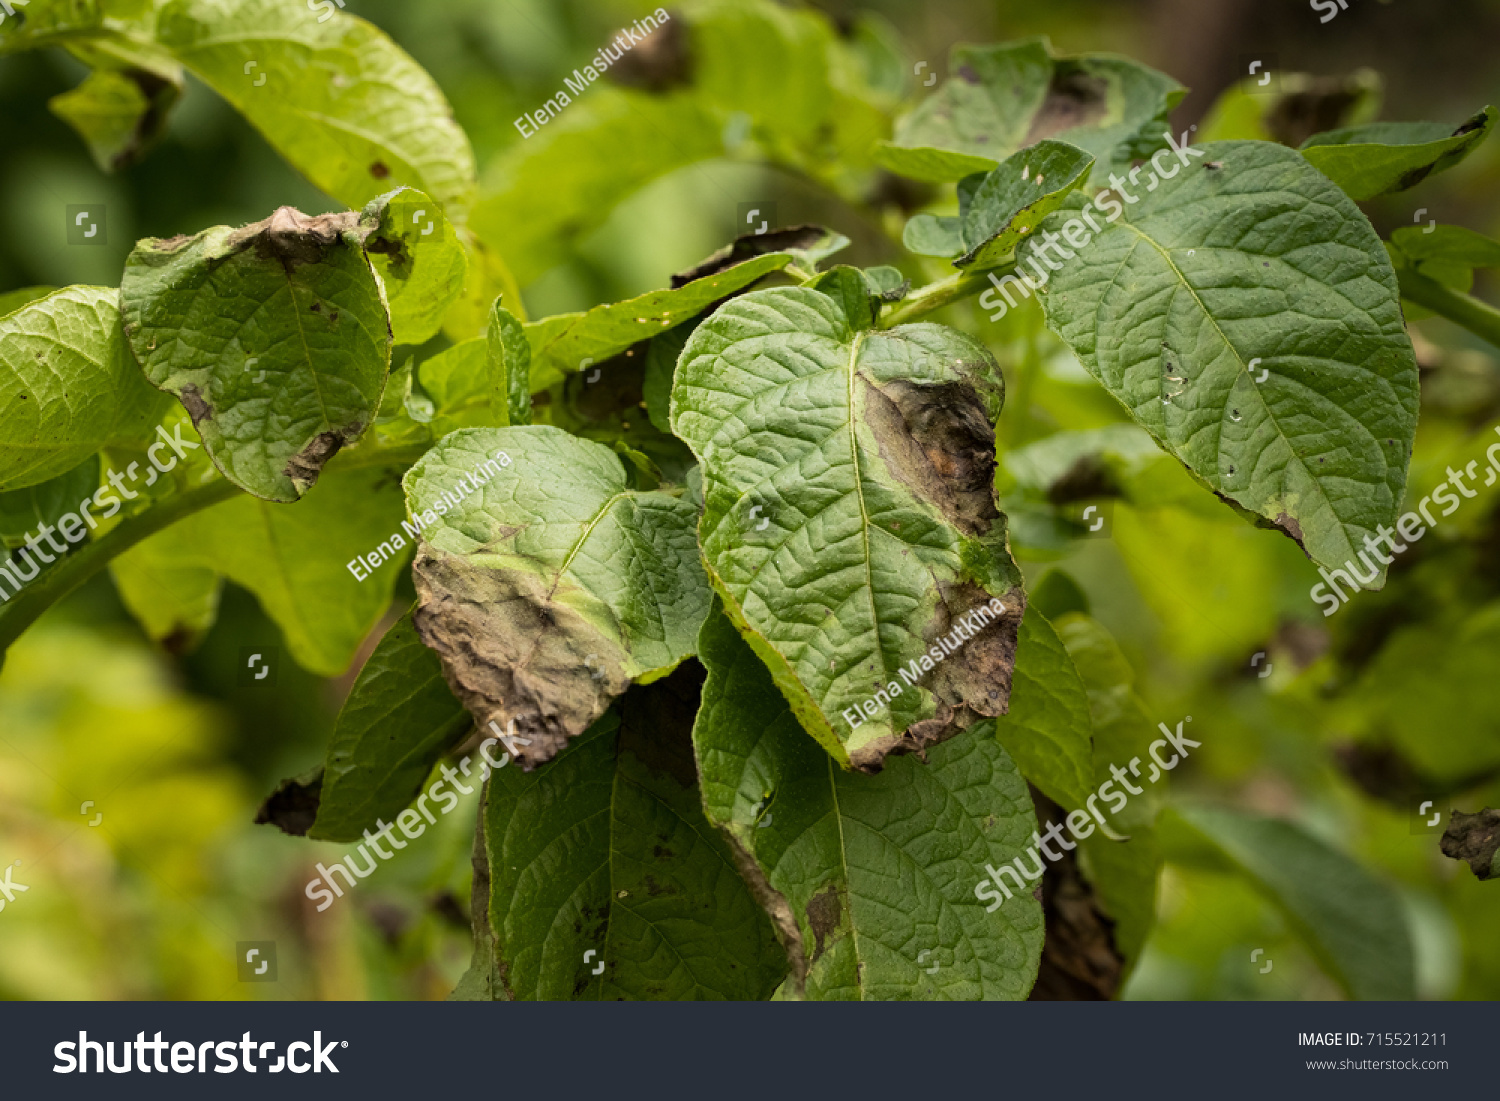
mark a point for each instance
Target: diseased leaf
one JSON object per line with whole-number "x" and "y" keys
{"x": 1048, "y": 732}
{"x": 419, "y": 260}
{"x": 274, "y": 337}
{"x": 1014, "y": 198}
{"x": 850, "y": 517}
{"x": 1246, "y": 315}
{"x": 398, "y": 722}
{"x": 870, "y": 880}
{"x": 1301, "y": 105}
{"x": 297, "y": 560}
{"x": 1382, "y": 157}
{"x": 1476, "y": 839}
{"x": 118, "y": 114}
{"x": 1353, "y": 923}
{"x": 68, "y": 386}
{"x": 341, "y": 101}
{"x": 606, "y": 881}
{"x": 1000, "y": 99}
{"x": 508, "y": 357}
{"x": 572, "y": 342}
{"x": 544, "y": 583}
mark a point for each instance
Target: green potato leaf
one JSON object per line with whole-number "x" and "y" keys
{"x": 544, "y": 583}
{"x": 68, "y": 386}
{"x": 297, "y": 561}
{"x": 508, "y": 359}
{"x": 561, "y": 183}
{"x": 119, "y": 115}
{"x": 1383, "y": 157}
{"x": 1014, "y": 198}
{"x": 274, "y": 337}
{"x": 1047, "y": 731}
{"x": 568, "y": 343}
{"x": 1247, "y": 316}
{"x": 1001, "y": 99}
{"x": 607, "y": 882}
{"x": 1353, "y": 923}
{"x": 343, "y": 103}
{"x": 870, "y": 880}
{"x": 850, "y": 517}
{"x": 398, "y": 722}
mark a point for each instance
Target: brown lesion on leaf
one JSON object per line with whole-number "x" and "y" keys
{"x": 970, "y": 684}
{"x": 293, "y": 238}
{"x": 1474, "y": 838}
{"x": 750, "y": 245}
{"x": 304, "y": 467}
{"x": 193, "y": 401}
{"x": 824, "y": 911}
{"x": 293, "y": 806}
{"x": 937, "y": 440}
{"x": 512, "y": 652}
{"x": 1075, "y": 97}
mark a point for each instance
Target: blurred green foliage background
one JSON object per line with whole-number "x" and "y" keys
{"x": 1396, "y": 693}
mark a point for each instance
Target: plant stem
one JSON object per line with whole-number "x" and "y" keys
{"x": 1480, "y": 318}
{"x": 27, "y": 606}
{"x": 935, "y": 296}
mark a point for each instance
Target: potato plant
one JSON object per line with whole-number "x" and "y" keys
{"x": 716, "y": 581}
